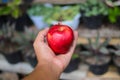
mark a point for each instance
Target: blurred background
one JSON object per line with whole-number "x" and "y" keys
{"x": 97, "y": 54}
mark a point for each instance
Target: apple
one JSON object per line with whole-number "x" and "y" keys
{"x": 60, "y": 38}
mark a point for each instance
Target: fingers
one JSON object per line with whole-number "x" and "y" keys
{"x": 65, "y": 58}
{"x": 38, "y": 47}
{"x": 74, "y": 43}
{"x": 41, "y": 36}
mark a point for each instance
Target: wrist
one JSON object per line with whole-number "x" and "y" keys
{"x": 43, "y": 72}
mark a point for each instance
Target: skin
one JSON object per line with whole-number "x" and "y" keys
{"x": 50, "y": 66}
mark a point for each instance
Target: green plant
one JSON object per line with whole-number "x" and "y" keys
{"x": 116, "y": 52}
{"x": 7, "y": 34}
{"x": 54, "y": 13}
{"x": 25, "y": 40}
{"x": 113, "y": 14}
{"x": 93, "y": 8}
{"x": 62, "y": 13}
{"x": 75, "y": 55}
{"x": 96, "y": 48}
{"x": 39, "y": 10}
{"x": 11, "y": 8}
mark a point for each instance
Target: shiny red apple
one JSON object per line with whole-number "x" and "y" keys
{"x": 60, "y": 38}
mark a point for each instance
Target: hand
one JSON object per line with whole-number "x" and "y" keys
{"x": 49, "y": 66}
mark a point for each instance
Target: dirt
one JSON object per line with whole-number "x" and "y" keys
{"x": 98, "y": 60}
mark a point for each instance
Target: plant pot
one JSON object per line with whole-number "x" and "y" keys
{"x": 28, "y": 1}
{"x": 118, "y": 22}
{"x": 22, "y": 22}
{"x": 14, "y": 57}
{"x": 2, "y": 20}
{"x": 32, "y": 60}
{"x": 72, "y": 23}
{"x": 38, "y": 22}
{"x": 93, "y": 22}
{"x": 118, "y": 69}
{"x": 111, "y": 48}
{"x": 1, "y": 71}
{"x": 116, "y": 60}
{"x": 99, "y": 69}
{"x": 98, "y": 66}
{"x": 73, "y": 65}
{"x": 7, "y": 19}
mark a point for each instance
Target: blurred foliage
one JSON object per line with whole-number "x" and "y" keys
{"x": 26, "y": 39}
{"x": 38, "y": 9}
{"x": 63, "y": 13}
{"x": 75, "y": 55}
{"x": 7, "y": 34}
{"x": 117, "y": 51}
{"x": 54, "y": 12}
{"x": 113, "y": 14}
{"x": 93, "y": 8}
{"x": 11, "y": 8}
{"x": 96, "y": 47}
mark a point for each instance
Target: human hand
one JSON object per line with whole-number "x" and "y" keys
{"x": 50, "y": 65}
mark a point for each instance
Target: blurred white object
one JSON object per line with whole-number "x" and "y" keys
{"x": 78, "y": 74}
{"x": 112, "y": 4}
{"x": 21, "y": 67}
{"x": 38, "y": 22}
{"x": 72, "y": 23}
{"x": 48, "y": 5}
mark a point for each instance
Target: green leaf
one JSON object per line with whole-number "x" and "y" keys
{"x": 95, "y": 11}
{"x": 97, "y": 40}
{"x": 86, "y": 53}
{"x": 90, "y": 42}
{"x": 74, "y": 56}
{"x": 17, "y": 2}
{"x": 15, "y": 13}
{"x": 94, "y": 7}
{"x": 5, "y": 10}
{"x": 104, "y": 50}
{"x": 87, "y": 14}
{"x": 112, "y": 19}
{"x": 93, "y": 2}
{"x": 117, "y": 53}
{"x": 113, "y": 14}
{"x": 105, "y": 43}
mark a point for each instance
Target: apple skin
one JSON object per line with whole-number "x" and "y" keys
{"x": 60, "y": 38}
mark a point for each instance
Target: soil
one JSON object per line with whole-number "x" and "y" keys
{"x": 97, "y": 60}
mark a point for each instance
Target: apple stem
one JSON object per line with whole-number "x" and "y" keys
{"x": 60, "y": 20}
{"x": 59, "y": 23}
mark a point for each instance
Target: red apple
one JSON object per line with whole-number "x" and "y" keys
{"x": 60, "y": 38}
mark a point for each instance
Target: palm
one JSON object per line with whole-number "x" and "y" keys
{"x": 46, "y": 55}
